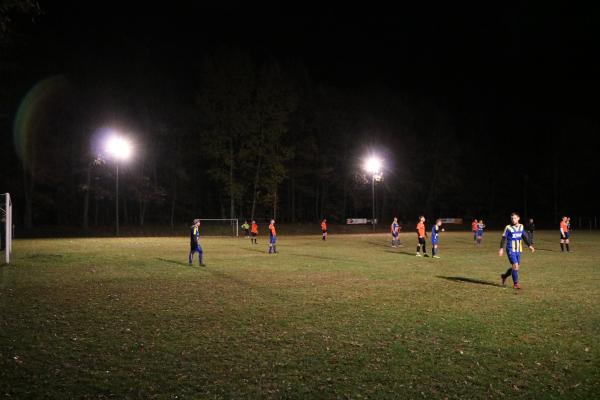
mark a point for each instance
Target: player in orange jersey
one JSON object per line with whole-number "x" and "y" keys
{"x": 421, "y": 237}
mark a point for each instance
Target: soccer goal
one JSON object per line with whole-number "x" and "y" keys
{"x": 219, "y": 226}
{"x": 6, "y": 233}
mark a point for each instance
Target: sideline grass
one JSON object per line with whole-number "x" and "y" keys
{"x": 346, "y": 318}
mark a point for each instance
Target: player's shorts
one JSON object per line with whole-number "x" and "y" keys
{"x": 395, "y": 235}
{"x": 254, "y": 234}
{"x": 421, "y": 240}
{"x": 513, "y": 257}
{"x": 196, "y": 248}
{"x": 272, "y": 239}
{"x": 434, "y": 241}
{"x": 324, "y": 230}
{"x": 479, "y": 233}
{"x": 567, "y": 235}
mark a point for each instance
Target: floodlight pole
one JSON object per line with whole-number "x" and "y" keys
{"x": 373, "y": 200}
{"x": 117, "y": 199}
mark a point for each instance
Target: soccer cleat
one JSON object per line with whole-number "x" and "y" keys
{"x": 517, "y": 286}
{"x": 436, "y": 256}
{"x": 202, "y": 265}
{"x": 503, "y": 278}
{"x": 425, "y": 255}
{"x": 418, "y": 255}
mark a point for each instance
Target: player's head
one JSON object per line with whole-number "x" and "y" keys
{"x": 514, "y": 218}
{"x": 196, "y": 222}
{"x": 530, "y": 219}
{"x": 253, "y": 221}
{"x": 422, "y": 218}
{"x": 272, "y": 221}
{"x": 564, "y": 218}
{"x": 324, "y": 220}
{"x": 438, "y": 222}
{"x": 395, "y": 219}
{"x": 481, "y": 221}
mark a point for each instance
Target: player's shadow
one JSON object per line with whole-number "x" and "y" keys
{"x": 469, "y": 280}
{"x": 380, "y": 244}
{"x": 173, "y": 262}
{"x": 402, "y": 253}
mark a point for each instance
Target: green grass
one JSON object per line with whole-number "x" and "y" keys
{"x": 348, "y": 318}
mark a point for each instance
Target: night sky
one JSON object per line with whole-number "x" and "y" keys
{"x": 520, "y": 81}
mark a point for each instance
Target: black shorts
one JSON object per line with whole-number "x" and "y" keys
{"x": 324, "y": 230}
{"x": 254, "y": 234}
{"x": 421, "y": 240}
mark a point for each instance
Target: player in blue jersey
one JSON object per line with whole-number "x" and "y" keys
{"x": 195, "y": 243}
{"x": 435, "y": 233}
{"x": 479, "y": 232}
{"x": 513, "y": 237}
{"x": 395, "y": 230}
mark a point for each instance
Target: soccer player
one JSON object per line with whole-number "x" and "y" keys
{"x": 513, "y": 237}
{"x": 195, "y": 243}
{"x": 253, "y": 232}
{"x": 474, "y": 229}
{"x": 246, "y": 229}
{"x": 395, "y": 229}
{"x": 272, "y": 237}
{"x": 324, "y": 228}
{"x": 530, "y": 230}
{"x": 435, "y": 232}
{"x": 564, "y": 234}
{"x": 421, "y": 234}
{"x": 479, "y": 233}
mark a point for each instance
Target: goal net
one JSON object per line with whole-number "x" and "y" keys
{"x": 6, "y": 231}
{"x": 219, "y": 227}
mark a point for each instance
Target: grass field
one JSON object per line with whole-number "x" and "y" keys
{"x": 349, "y": 318}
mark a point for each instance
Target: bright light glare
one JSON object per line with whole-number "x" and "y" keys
{"x": 373, "y": 165}
{"x": 118, "y": 147}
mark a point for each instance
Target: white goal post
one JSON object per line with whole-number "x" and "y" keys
{"x": 235, "y": 231}
{"x": 6, "y": 217}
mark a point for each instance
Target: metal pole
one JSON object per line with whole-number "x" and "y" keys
{"x": 117, "y": 200}
{"x": 373, "y": 201}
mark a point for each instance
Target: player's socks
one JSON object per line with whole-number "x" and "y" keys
{"x": 274, "y": 249}
{"x": 270, "y": 249}
{"x": 424, "y": 249}
{"x": 433, "y": 251}
{"x": 567, "y": 246}
{"x": 562, "y": 247}
{"x": 515, "y": 277}
{"x": 418, "y": 249}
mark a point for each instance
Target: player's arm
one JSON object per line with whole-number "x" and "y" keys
{"x": 527, "y": 241}
{"x": 502, "y": 243}
{"x": 562, "y": 233}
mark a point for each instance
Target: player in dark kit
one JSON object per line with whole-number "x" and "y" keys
{"x": 531, "y": 230}
{"x": 513, "y": 237}
{"x": 195, "y": 243}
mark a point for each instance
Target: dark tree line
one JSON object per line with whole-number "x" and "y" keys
{"x": 252, "y": 136}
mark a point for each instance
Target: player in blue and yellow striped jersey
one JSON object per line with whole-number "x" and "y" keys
{"x": 513, "y": 237}
{"x": 395, "y": 230}
{"x": 435, "y": 237}
{"x": 195, "y": 243}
